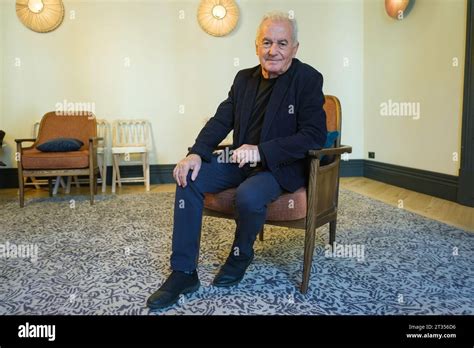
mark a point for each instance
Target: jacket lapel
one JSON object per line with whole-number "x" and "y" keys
{"x": 278, "y": 94}
{"x": 249, "y": 99}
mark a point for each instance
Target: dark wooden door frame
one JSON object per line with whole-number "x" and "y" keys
{"x": 466, "y": 170}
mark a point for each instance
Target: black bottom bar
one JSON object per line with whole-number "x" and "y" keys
{"x": 412, "y": 330}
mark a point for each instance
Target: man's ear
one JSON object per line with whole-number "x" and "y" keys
{"x": 256, "y": 48}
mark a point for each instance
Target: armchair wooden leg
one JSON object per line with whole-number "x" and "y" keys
{"x": 21, "y": 183}
{"x": 332, "y": 232}
{"x": 117, "y": 166}
{"x": 114, "y": 174}
{"x": 146, "y": 171}
{"x": 50, "y": 186}
{"x": 56, "y": 185}
{"x": 68, "y": 184}
{"x": 91, "y": 186}
{"x": 308, "y": 256}
{"x": 260, "y": 235}
{"x": 104, "y": 176}
{"x": 21, "y": 179}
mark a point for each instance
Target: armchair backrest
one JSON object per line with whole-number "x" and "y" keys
{"x": 325, "y": 179}
{"x": 54, "y": 125}
{"x": 131, "y": 133}
{"x": 36, "y": 127}
{"x": 332, "y": 106}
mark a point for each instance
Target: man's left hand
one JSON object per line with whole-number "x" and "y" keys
{"x": 246, "y": 154}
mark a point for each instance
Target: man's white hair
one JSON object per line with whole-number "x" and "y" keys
{"x": 279, "y": 16}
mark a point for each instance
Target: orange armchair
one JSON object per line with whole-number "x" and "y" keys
{"x": 34, "y": 163}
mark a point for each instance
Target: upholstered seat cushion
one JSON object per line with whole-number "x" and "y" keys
{"x": 35, "y": 159}
{"x": 288, "y": 207}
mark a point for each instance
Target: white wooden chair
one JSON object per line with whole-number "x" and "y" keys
{"x": 130, "y": 138}
{"x": 103, "y": 131}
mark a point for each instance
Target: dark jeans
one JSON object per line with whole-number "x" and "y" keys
{"x": 255, "y": 189}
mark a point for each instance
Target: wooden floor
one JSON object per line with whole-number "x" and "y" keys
{"x": 434, "y": 208}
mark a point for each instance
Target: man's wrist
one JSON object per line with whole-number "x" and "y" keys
{"x": 201, "y": 156}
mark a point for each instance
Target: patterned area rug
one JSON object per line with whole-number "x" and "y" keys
{"x": 108, "y": 258}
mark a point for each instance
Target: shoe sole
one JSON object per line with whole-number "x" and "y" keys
{"x": 175, "y": 300}
{"x": 227, "y": 285}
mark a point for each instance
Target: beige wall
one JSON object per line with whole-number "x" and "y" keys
{"x": 2, "y": 53}
{"x": 412, "y": 61}
{"x": 173, "y": 63}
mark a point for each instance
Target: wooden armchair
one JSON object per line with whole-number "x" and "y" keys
{"x": 34, "y": 163}
{"x": 307, "y": 208}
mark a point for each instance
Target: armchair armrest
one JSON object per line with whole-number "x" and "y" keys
{"x": 222, "y": 147}
{"x": 218, "y": 147}
{"x": 94, "y": 141}
{"x": 330, "y": 151}
{"x": 19, "y": 141}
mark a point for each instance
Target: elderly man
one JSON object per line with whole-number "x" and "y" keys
{"x": 276, "y": 112}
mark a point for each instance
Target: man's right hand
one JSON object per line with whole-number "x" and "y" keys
{"x": 191, "y": 162}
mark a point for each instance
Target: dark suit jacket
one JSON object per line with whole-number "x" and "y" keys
{"x": 294, "y": 122}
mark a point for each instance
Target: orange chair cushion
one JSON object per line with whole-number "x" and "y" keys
{"x": 35, "y": 159}
{"x": 288, "y": 207}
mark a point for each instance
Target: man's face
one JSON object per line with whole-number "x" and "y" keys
{"x": 275, "y": 47}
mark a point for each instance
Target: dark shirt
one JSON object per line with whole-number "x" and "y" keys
{"x": 254, "y": 128}
{"x": 255, "y": 125}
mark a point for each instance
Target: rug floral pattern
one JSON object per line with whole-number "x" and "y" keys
{"x": 106, "y": 259}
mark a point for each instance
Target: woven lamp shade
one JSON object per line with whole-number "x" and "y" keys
{"x": 218, "y": 17}
{"x": 41, "y": 16}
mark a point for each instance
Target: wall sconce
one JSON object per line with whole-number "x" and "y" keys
{"x": 398, "y": 9}
{"x": 218, "y": 17}
{"x": 40, "y": 15}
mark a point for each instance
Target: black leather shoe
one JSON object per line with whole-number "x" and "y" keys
{"x": 177, "y": 283}
{"x": 232, "y": 272}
